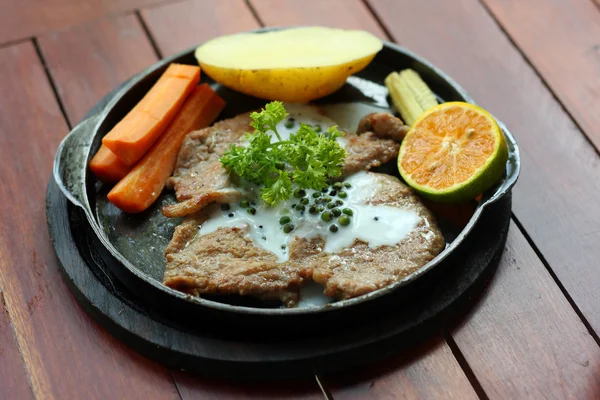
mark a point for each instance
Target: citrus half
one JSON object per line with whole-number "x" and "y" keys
{"x": 453, "y": 152}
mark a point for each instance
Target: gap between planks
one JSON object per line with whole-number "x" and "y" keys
{"x": 529, "y": 239}
{"x": 386, "y": 31}
{"x": 544, "y": 82}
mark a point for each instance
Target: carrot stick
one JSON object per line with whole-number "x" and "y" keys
{"x": 107, "y": 167}
{"x": 143, "y": 125}
{"x": 142, "y": 186}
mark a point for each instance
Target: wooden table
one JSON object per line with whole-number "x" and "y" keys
{"x": 535, "y": 64}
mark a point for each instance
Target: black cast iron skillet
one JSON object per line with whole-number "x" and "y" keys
{"x": 137, "y": 241}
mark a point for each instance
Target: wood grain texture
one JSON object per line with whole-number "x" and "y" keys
{"x": 13, "y": 377}
{"x": 178, "y": 26}
{"x": 122, "y": 49}
{"x": 428, "y": 371}
{"x": 88, "y": 61}
{"x": 192, "y": 387}
{"x": 25, "y": 18}
{"x": 424, "y": 372}
{"x": 561, "y": 38}
{"x": 66, "y": 355}
{"x": 560, "y": 179}
{"x": 523, "y": 340}
{"x": 349, "y": 14}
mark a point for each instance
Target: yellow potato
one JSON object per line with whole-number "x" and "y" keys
{"x": 293, "y": 65}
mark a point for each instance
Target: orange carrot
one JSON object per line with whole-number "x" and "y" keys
{"x": 142, "y": 186}
{"x": 142, "y": 126}
{"x": 107, "y": 167}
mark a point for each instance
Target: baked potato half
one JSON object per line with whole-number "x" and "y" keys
{"x": 292, "y": 65}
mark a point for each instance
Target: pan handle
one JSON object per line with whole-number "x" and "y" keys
{"x": 513, "y": 167}
{"x": 70, "y": 163}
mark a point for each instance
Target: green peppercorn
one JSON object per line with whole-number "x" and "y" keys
{"x": 320, "y": 208}
{"x": 343, "y": 195}
{"x": 348, "y": 211}
{"x": 336, "y": 212}
{"x": 251, "y": 210}
{"x": 283, "y": 246}
{"x": 326, "y": 216}
{"x": 316, "y": 195}
{"x": 318, "y": 128}
{"x": 333, "y": 228}
{"x": 294, "y": 206}
{"x": 337, "y": 186}
{"x": 244, "y": 203}
{"x": 325, "y": 189}
{"x": 225, "y": 207}
{"x": 339, "y": 202}
{"x": 330, "y": 205}
{"x": 284, "y": 220}
{"x": 313, "y": 210}
{"x": 301, "y": 209}
{"x": 326, "y": 199}
{"x": 287, "y": 228}
{"x": 344, "y": 220}
{"x": 304, "y": 201}
{"x": 347, "y": 185}
{"x": 289, "y": 124}
{"x": 279, "y": 165}
{"x": 333, "y": 193}
{"x": 298, "y": 193}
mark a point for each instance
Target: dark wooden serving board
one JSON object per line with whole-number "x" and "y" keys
{"x": 379, "y": 331}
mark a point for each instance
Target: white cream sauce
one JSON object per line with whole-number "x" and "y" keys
{"x": 375, "y": 225}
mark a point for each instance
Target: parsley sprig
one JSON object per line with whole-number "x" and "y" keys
{"x": 307, "y": 159}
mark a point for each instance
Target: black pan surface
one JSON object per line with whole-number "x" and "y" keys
{"x": 137, "y": 241}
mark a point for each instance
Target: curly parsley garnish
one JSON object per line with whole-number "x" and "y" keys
{"x": 307, "y": 159}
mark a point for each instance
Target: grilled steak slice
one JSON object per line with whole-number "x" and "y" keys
{"x": 360, "y": 269}
{"x": 199, "y": 178}
{"x": 227, "y": 262}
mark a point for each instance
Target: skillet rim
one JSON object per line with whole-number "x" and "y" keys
{"x": 512, "y": 173}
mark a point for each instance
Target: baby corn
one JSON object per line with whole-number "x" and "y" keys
{"x": 410, "y": 94}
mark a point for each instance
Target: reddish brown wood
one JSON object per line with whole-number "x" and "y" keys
{"x": 514, "y": 348}
{"x": 560, "y": 180}
{"x": 428, "y": 371}
{"x": 561, "y": 38}
{"x": 417, "y": 377}
{"x": 523, "y": 339}
{"x": 65, "y": 353}
{"x": 88, "y": 61}
{"x": 13, "y": 377}
{"x": 349, "y": 14}
{"x": 99, "y": 78}
{"x": 192, "y": 387}
{"x": 25, "y": 18}
{"x": 181, "y": 25}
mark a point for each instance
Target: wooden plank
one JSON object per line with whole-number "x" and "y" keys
{"x": 560, "y": 178}
{"x": 66, "y": 354}
{"x": 348, "y": 14}
{"x": 428, "y": 371}
{"x": 193, "y": 387}
{"x": 13, "y": 377}
{"x": 122, "y": 40}
{"x": 25, "y": 18}
{"x": 561, "y": 39}
{"x": 88, "y": 61}
{"x": 523, "y": 339}
{"x": 178, "y": 26}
